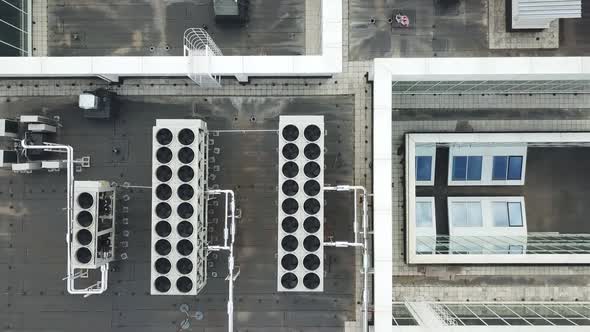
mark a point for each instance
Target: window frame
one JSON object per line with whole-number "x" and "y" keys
{"x": 506, "y": 172}
{"x": 467, "y": 158}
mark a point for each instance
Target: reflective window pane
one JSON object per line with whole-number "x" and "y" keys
{"x": 500, "y": 213}
{"x": 500, "y": 165}
{"x": 474, "y": 168}
{"x": 515, "y": 213}
{"x": 514, "y": 168}
{"x": 423, "y": 168}
{"x": 459, "y": 168}
{"x": 423, "y": 214}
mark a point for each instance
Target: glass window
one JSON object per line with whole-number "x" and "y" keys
{"x": 499, "y": 168}
{"x": 459, "y": 168}
{"x": 514, "y": 167}
{"x": 515, "y": 214}
{"x": 423, "y": 214}
{"x": 423, "y": 168}
{"x": 507, "y": 168}
{"x": 500, "y": 213}
{"x": 467, "y": 168}
{"x": 466, "y": 214}
{"x": 474, "y": 168}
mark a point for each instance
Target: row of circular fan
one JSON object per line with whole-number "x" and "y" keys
{"x": 184, "y": 192}
{"x": 184, "y": 173}
{"x": 311, "y": 280}
{"x": 185, "y": 136}
{"x": 290, "y": 151}
{"x": 84, "y": 219}
{"x": 311, "y": 169}
{"x": 185, "y": 155}
{"x": 183, "y": 284}
{"x": 311, "y": 133}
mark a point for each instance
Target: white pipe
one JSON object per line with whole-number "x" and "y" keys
{"x": 230, "y": 248}
{"x": 69, "y": 213}
{"x": 364, "y": 245}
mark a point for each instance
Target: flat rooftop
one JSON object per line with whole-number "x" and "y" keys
{"x": 100, "y": 28}
{"x": 32, "y": 226}
{"x": 454, "y": 28}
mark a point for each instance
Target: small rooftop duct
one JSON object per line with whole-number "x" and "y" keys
{"x": 538, "y": 14}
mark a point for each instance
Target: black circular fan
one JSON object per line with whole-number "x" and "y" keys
{"x": 311, "y": 188}
{"x": 311, "y": 169}
{"x": 290, "y": 133}
{"x": 162, "y": 284}
{"x": 312, "y": 133}
{"x": 163, "y": 265}
{"x": 290, "y": 151}
{"x": 163, "y": 210}
{"x": 184, "y": 247}
{"x": 289, "y": 243}
{"x": 186, "y": 155}
{"x": 164, "y": 136}
{"x": 290, "y": 169}
{"x": 184, "y": 229}
{"x": 311, "y": 206}
{"x": 164, "y": 155}
{"x": 186, "y": 173}
{"x": 84, "y": 237}
{"x": 289, "y": 262}
{"x": 85, "y": 200}
{"x": 83, "y": 255}
{"x": 186, "y": 136}
{"x": 184, "y": 265}
{"x": 163, "y": 247}
{"x": 84, "y": 218}
{"x": 290, "y": 206}
{"x": 163, "y": 173}
{"x": 311, "y": 281}
{"x": 184, "y": 284}
{"x": 290, "y": 187}
{"x": 163, "y": 228}
{"x": 289, "y": 280}
{"x": 290, "y": 224}
{"x": 311, "y": 262}
{"x": 311, "y": 243}
{"x": 185, "y": 192}
{"x": 311, "y": 224}
{"x": 163, "y": 192}
{"x": 185, "y": 210}
{"x": 311, "y": 151}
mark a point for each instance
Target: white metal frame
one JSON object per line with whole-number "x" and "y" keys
{"x": 101, "y": 286}
{"x": 198, "y": 43}
{"x": 364, "y": 245}
{"x": 229, "y": 237}
{"x": 301, "y": 122}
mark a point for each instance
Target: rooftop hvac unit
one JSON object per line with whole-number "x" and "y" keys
{"x": 179, "y": 229}
{"x": 231, "y": 11}
{"x": 8, "y": 128}
{"x": 93, "y": 227}
{"x": 7, "y": 158}
{"x": 301, "y": 201}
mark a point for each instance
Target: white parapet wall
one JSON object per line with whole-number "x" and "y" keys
{"x": 111, "y": 68}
